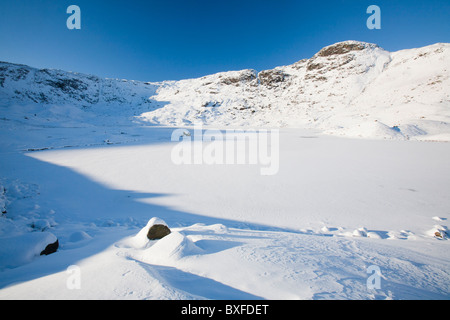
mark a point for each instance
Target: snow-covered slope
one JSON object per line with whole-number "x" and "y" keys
{"x": 349, "y": 88}
{"x": 49, "y": 96}
{"x": 23, "y": 84}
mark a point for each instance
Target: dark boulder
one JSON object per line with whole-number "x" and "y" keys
{"x": 50, "y": 248}
{"x": 157, "y": 231}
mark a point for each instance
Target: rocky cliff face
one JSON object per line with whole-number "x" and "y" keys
{"x": 350, "y": 88}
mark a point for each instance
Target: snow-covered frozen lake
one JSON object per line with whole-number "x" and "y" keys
{"x": 336, "y": 209}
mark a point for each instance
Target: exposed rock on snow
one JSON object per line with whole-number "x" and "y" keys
{"x": 237, "y": 78}
{"x": 2, "y": 200}
{"x": 141, "y": 239}
{"x": 438, "y": 231}
{"x": 50, "y": 248}
{"x": 158, "y": 231}
{"x": 342, "y": 48}
{"x": 270, "y": 78}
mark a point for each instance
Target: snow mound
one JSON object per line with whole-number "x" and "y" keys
{"x": 360, "y": 232}
{"x": 78, "y": 236}
{"x": 140, "y": 240}
{"x": 368, "y": 130}
{"x": 438, "y": 231}
{"x": 169, "y": 249}
{"x": 18, "y": 250}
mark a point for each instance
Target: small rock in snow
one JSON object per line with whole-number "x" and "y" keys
{"x": 50, "y": 248}
{"x": 157, "y": 231}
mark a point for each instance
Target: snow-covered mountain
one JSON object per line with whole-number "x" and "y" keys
{"x": 349, "y": 88}
{"x": 21, "y": 83}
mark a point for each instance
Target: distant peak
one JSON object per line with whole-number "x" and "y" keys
{"x": 345, "y": 47}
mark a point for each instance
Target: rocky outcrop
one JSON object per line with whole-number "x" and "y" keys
{"x": 343, "y": 48}
{"x": 237, "y": 78}
{"x": 271, "y": 78}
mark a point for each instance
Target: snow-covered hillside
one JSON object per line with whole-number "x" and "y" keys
{"x": 349, "y": 88}
{"x": 23, "y": 84}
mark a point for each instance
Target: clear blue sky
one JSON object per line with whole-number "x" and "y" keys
{"x": 172, "y": 39}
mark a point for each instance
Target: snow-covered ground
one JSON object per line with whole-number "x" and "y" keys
{"x": 336, "y": 208}
{"x": 357, "y": 206}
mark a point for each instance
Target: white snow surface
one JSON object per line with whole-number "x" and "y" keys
{"x": 92, "y": 167}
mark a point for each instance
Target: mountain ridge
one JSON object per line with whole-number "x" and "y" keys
{"x": 349, "y": 88}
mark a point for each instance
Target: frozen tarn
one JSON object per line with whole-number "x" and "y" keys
{"x": 271, "y": 227}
